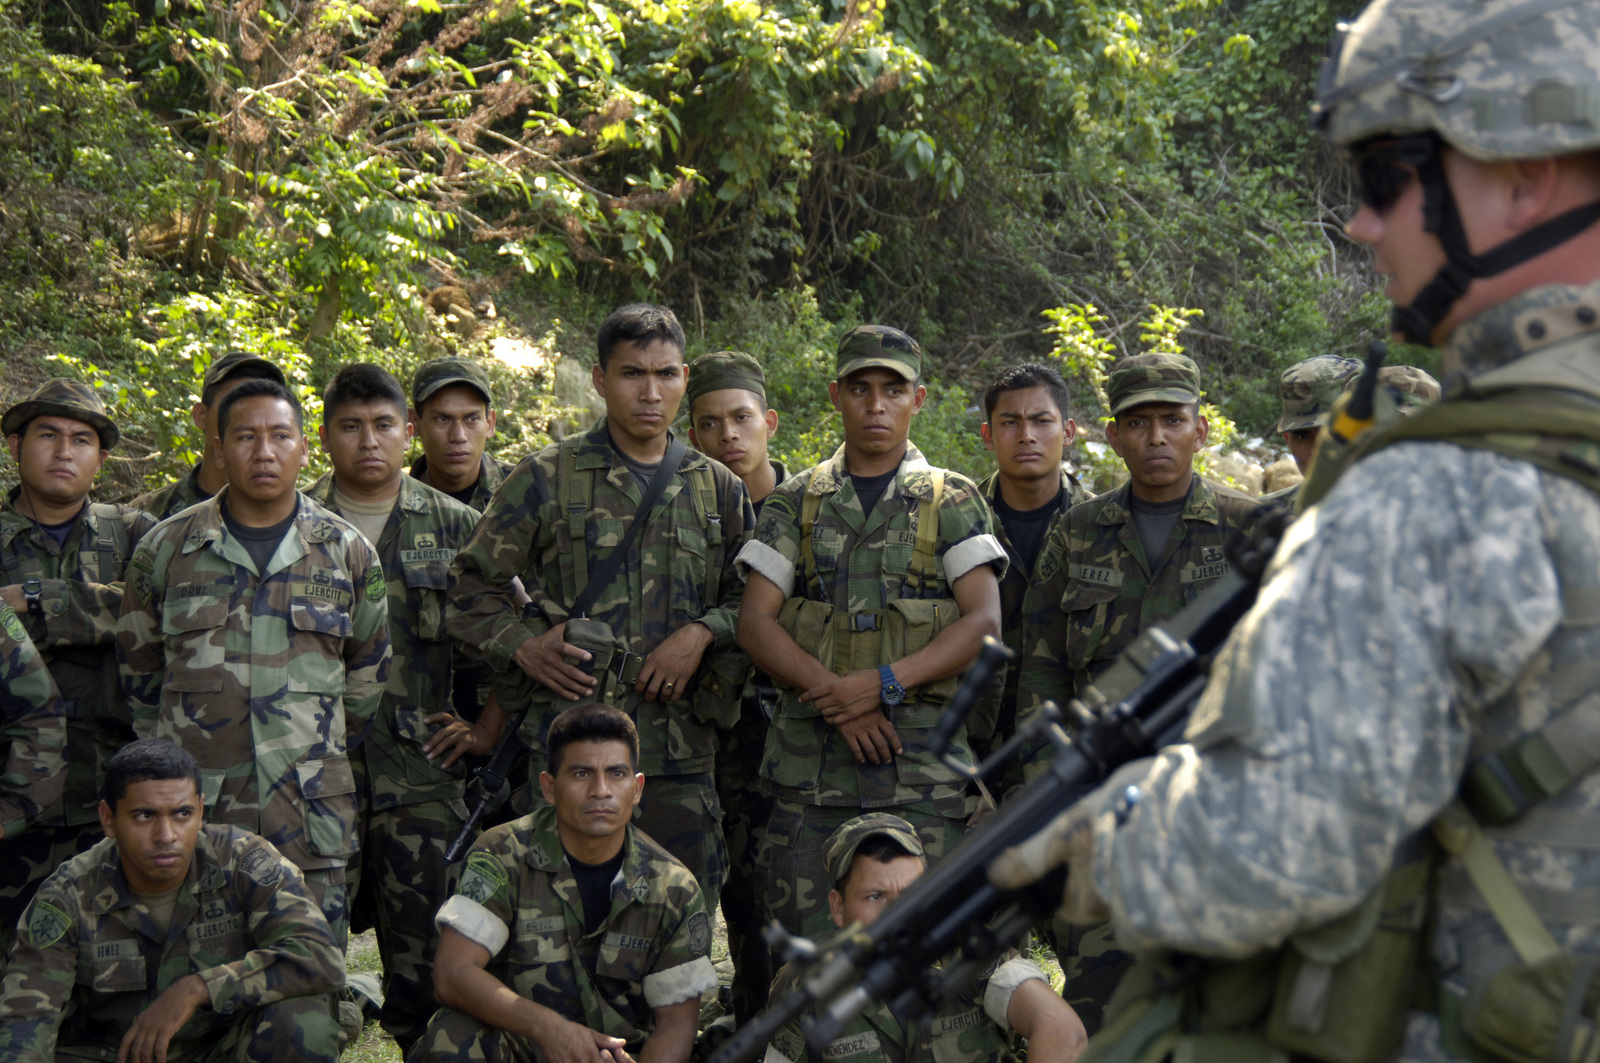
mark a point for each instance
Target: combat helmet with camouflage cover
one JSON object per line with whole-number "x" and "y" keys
{"x": 1493, "y": 79}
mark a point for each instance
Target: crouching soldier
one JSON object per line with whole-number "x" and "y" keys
{"x": 572, "y": 935}
{"x": 170, "y": 940}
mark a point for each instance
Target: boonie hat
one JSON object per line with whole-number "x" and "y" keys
{"x": 1155, "y": 377}
{"x": 1309, "y": 388}
{"x": 842, "y": 844}
{"x": 439, "y": 373}
{"x": 64, "y": 398}
{"x": 726, "y": 369}
{"x": 225, "y": 365}
{"x": 868, "y": 346}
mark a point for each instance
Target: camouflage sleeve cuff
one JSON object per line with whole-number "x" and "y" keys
{"x": 724, "y": 627}
{"x": 676, "y": 984}
{"x": 1004, "y": 982}
{"x": 968, "y": 554}
{"x": 479, "y": 925}
{"x": 757, "y": 556}
{"x": 499, "y": 647}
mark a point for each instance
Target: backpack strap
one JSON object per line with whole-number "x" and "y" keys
{"x": 923, "y": 572}
{"x": 810, "y": 506}
{"x": 576, "y": 495}
{"x": 1460, "y": 835}
{"x": 1501, "y": 786}
{"x": 704, "y": 485}
{"x": 113, "y": 544}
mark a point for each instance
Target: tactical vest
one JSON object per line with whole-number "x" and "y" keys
{"x": 845, "y": 641}
{"x": 1339, "y": 993}
{"x": 99, "y": 721}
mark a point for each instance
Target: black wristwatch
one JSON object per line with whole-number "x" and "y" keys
{"x": 31, "y": 591}
{"x": 891, "y": 693}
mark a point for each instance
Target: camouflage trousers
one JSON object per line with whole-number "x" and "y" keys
{"x": 397, "y": 886}
{"x": 327, "y": 888}
{"x": 297, "y": 1028}
{"x": 745, "y": 808}
{"x": 683, "y": 815}
{"x": 789, "y": 858}
{"x": 30, "y": 857}
{"x": 1092, "y": 964}
{"x": 456, "y": 1037}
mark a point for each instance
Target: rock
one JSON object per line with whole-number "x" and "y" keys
{"x": 1244, "y": 474}
{"x": 1280, "y": 474}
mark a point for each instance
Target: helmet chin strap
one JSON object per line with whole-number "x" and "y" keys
{"x": 1441, "y": 217}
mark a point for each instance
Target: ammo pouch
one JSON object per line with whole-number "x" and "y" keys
{"x": 615, "y": 668}
{"x": 1338, "y": 993}
{"x": 844, "y": 642}
{"x": 1537, "y": 1013}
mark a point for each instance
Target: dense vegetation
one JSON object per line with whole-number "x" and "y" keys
{"x": 1003, "y": 178}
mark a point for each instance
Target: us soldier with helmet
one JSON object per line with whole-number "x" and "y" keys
{"x": 1381, "y": 826}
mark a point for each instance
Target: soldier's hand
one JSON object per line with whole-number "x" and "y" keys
{"x": 848, "y": 696}
{"x": 1068, "y": 840}
{"x": 12, "y": 595}
{"x": 456, "y": 738}
{"x": 872, "y": 738}
{"x": 564, "y": 1041}
{"x": 147, "y": 1039}
{"x": 669, "y": 667}
{"x": 542, "y": 658}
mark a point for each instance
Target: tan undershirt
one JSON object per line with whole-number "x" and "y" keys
{"x": 159, "y": 906}
{"x": 368, "y": 517}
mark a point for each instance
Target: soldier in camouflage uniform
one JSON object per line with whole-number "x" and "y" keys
{"x": 263, "y": 649}
{"x": 409, "y": 781}
{"x": 665, "y": 621}
{"x": 33, "y": 730}
{"x": 1422, "y": 650}
{"x": 170, "y": 939}
{"x": 1027, "y": 426}
{"x": 1308, "y": 390}
{"x": 62, "y": 562}
{"x": 865, "y": 624}
{"x": 730, "y": 421}
{"x": 452, "y": 410}
{"x": 226, "y": 372}
{"x": 869, "y": 860}
{"x": 1099, "y": 581}
{"x": 601, "y": 935}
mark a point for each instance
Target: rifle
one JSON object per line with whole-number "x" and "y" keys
{"x": 953, "y": 913}
{"x": 492, "y": 780}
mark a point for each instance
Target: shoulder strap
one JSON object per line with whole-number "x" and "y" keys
{"x": 705, "y": 494}
{"x": 609, "y": 565}
{"x": 810, "y": 506}
{"x": 576, "y": 493}
{"x": 113, "y": 544}
{"x": 1460, "y": 834}
{"x": 924, "y": 570}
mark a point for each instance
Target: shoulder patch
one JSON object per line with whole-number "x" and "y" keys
{"x": 700, "y": 933}
{"x": 323, "y": 531}
{"x": 483, "y": 877}
{"x": 261, "y": 867}
{"x": 12, "y": 624}
{"x": 47, "y": 925}
{"x": 377, "y": 589}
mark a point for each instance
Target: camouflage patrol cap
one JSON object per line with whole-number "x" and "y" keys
{"x": 1496, "y": 79}
{"x": 1415, "y": 386}
{"x": 726, "y": 369}
{"x": 1146, "y": 378}
{"x": 840, "y": 849}
{"x": 439, "y": 373}
{"x": 225, "y": 365}
{"x": 1309, "y": 388}
{"x": 866, "y": 346}
{"x": 64, "y": 398}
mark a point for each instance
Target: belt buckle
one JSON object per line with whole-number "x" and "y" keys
{"x": 863, "y": 621}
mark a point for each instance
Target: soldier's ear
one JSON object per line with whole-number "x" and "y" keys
{"x": 547, "y": 787}
{"x": 107, "y": 817}
{"x": 772, "y": 422}
{"x": 1202, "y": 429}
{"x": 836, "y": 907}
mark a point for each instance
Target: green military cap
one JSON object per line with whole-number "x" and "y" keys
{"x": 64, "y": 398}
{"x": 1309, "y": 389}
{"x": 866, "y": 346}
{"x": 442, "y": 372}
{"x": 225, "y": 365}
{"x": 726, "y": 369}
{"x": 842, "y": 844}
{"x": 1416, "y": 387}
{"x": 1152, "y": 378}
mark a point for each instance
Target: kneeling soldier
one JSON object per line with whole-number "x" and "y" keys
{"x": 572, "y": 934}
{"x": 170, "y": 939}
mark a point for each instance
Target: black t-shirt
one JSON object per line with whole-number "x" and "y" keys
{"x": 59, "y": 532}
{"x": 1154, "y": 522}
{"x": 259, "y": 543}
{"x": 870, "y": 489}
{"x": 594, "y": 887}
{"x": 464, "y": 496}
{"x": 1026, "y": 529}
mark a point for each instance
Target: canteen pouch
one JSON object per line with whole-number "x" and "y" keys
{"x": 909, "y": 624}
{"x": 1344, "y": 987}
{"x": 1537, "y": 1013}
{"x": 596, "y": 637}
{"x": 810, "y": 624}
